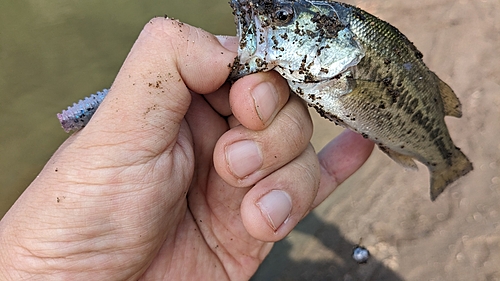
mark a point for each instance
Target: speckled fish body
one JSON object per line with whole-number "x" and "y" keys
{"x": 359, "y": 72}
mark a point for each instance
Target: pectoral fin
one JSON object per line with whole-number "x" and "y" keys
{"x": 368, "y": 92}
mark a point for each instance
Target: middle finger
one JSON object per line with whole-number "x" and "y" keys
{"x": 243, "y": 156}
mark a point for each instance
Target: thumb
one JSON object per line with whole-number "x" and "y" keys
{"x": 150, "y": 96}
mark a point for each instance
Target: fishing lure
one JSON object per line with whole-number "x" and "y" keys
{"x": 77, "y": 116}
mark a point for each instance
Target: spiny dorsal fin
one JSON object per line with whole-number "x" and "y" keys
{"x": 452, "y": 106}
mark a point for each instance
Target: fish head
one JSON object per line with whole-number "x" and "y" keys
{"x": 305, "y": 41}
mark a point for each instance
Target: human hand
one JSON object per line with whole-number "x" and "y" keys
{"x": 178, "y": 175}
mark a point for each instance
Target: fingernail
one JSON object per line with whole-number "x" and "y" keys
{"x": 266, "y": 100}
{"x": 275, "y": 207}
{"x": 228, "y": 42}
{"x": 244, "y": 158}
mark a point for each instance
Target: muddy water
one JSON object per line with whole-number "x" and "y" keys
{"x": 53, "y": 53}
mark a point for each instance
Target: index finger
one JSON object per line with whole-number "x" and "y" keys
{"x": 151, "y": 93}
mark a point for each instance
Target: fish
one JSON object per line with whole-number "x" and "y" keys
{"x": 358, "y": 71}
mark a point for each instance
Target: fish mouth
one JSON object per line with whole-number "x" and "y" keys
{"x": 248, "y": 30}
{"x": 245, "y": 27}
{"x": 258, "y": 52}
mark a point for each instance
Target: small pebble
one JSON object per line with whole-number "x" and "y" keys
{"x": 360, "y": 254}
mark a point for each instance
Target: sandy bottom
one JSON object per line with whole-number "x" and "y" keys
{"x": 411, "y": 238}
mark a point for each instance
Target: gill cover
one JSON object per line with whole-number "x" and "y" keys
{"x": 305, "y": 41}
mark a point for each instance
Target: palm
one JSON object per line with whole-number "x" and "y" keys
{"x": 137, "y": 190}
{"x": 211, "y": 223}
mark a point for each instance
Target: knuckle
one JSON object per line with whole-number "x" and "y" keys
{"x": 297, "y": 127}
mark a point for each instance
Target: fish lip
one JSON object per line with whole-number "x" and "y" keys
{"x": 253, "y": 55}
{"x": 243, "y": 16}
{"x": 248, "y": 32}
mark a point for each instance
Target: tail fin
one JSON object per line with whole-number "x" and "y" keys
{"x": 442, "y": 177}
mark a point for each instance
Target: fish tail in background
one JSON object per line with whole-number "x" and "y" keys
{"x": 77, "y": 116}
{"x": 445, "y": 175}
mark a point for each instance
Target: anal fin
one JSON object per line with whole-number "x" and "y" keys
{"x": 404, "y": 160}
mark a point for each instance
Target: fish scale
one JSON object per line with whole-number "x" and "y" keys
{"x": 358, "y": 71}
{"x": 424, "y": 110}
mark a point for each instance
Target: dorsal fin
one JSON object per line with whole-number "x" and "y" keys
{"x": 452, "y": 106}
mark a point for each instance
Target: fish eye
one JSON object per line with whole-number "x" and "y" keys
{"x": 284, "y": 15}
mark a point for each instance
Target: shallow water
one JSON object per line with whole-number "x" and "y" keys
{"x": 52, "y": 53}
